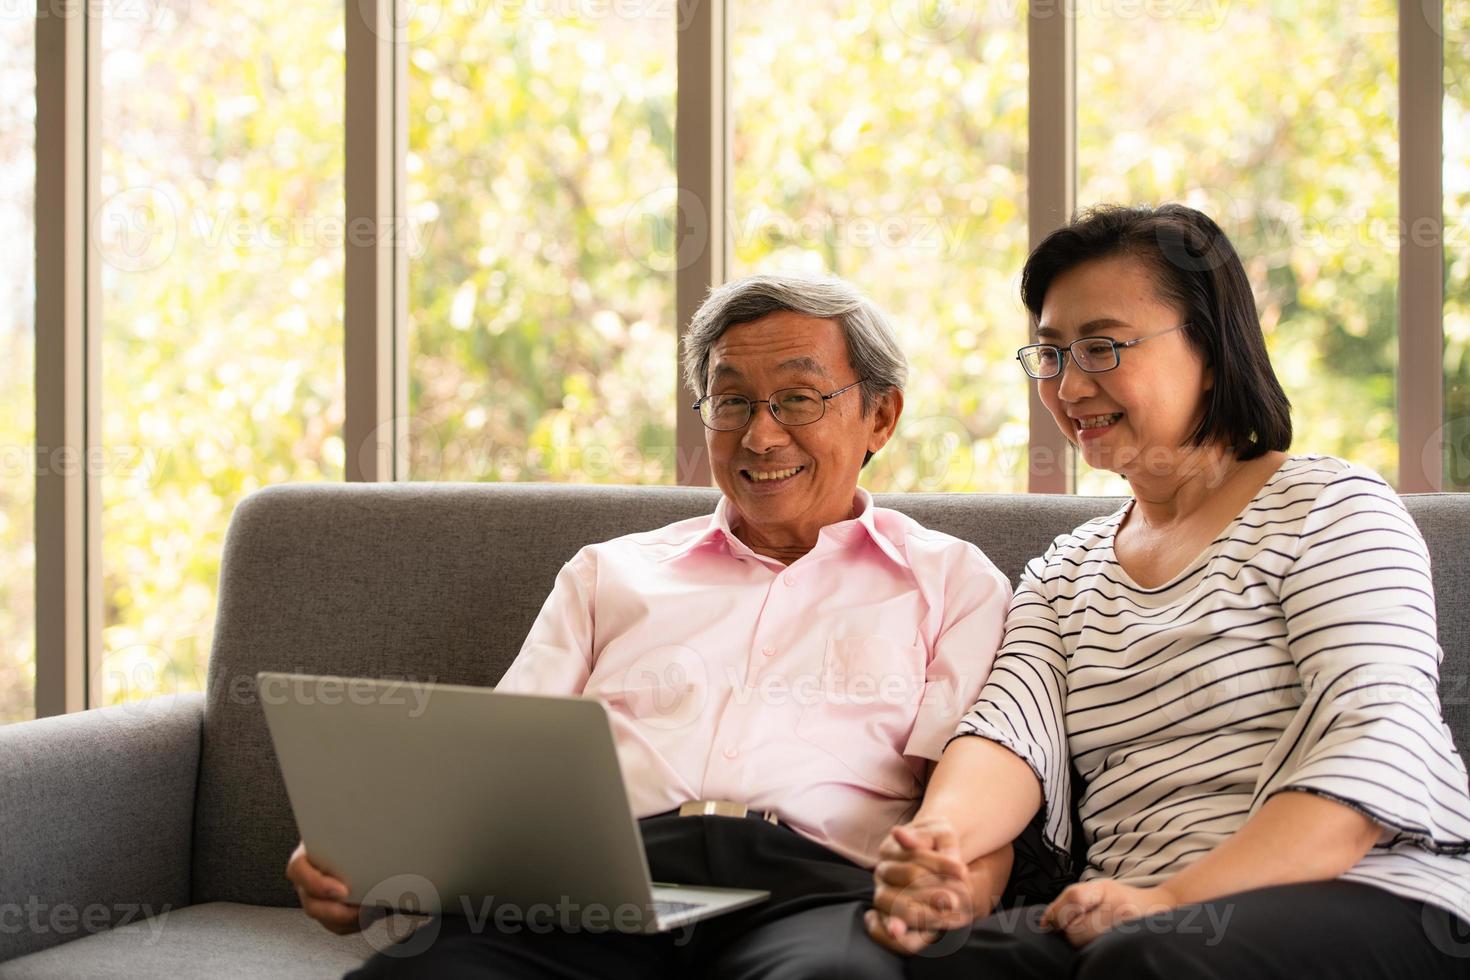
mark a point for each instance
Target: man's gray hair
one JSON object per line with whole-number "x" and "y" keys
{"x": 872, "y": 348}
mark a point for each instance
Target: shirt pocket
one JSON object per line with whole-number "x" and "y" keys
{"x": 863, "y": 707}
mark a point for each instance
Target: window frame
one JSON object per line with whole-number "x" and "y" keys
{"x": 68, "y": 377}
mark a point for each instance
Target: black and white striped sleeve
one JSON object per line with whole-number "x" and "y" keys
{"x": 1360, "y": 619}
{"x": 1022, "y": 707}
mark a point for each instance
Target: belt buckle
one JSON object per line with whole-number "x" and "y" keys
{"x": 722, "y": 808}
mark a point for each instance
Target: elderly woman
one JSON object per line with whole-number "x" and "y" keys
{"x": 1231, "y": 681}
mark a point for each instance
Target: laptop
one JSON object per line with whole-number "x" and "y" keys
{"x": 448, "y": 799}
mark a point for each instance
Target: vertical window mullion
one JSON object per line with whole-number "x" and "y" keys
{"x": 1051, "y": 192}
{"x": 1421, "y": 247}
{"x": 67, "y": 381}
{"x": 375, "y": 270}
{"x": 702, "y": 135}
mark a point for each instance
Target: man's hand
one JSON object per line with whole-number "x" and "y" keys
{"x": 321, "y": 896}
{"x": 922, "y": 887}
{"x": 1087, "y": 910}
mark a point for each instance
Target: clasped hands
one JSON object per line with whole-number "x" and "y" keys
{"x": 923, "y": 888}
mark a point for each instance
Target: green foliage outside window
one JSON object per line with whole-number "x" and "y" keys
{"x": 885, "y": 142}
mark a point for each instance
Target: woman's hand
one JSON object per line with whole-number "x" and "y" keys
{"x": 1087, "y": 910}
{"x": 922, "y": 887}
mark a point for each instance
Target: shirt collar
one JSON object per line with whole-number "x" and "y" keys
{"x": 865, "y": 521}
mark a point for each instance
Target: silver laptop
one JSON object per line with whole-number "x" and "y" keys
{"x": 442, "y": 798}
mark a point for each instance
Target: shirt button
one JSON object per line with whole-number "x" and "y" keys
{"x": 731, "y": 753}
{"x": 790, "y": 579}
{"x": 769, "y": 651}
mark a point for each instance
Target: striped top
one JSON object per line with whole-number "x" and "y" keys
{"x": 1298, "y": 651}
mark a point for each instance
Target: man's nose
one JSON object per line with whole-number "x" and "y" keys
{"x": 763, "y": 432}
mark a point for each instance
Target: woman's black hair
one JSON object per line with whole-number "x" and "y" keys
{"x": 1196, "y": 268}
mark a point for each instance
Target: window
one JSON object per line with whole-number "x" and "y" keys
{"x": 541, "y": 287}
{"x": 1285, "y": 131}
{"x": 886, "y": 143}
{"x": 221, "y": 234}
{"x": 18, "y": 458}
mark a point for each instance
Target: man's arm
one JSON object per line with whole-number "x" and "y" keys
{"x": 976, "y": 596}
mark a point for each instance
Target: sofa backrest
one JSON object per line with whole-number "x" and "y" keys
{"x": 442, "y": 581}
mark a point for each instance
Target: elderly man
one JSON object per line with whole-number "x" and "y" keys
{"x": 780, "y": 675}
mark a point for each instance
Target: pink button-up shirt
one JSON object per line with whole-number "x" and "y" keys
{"x": 817, "y": 690}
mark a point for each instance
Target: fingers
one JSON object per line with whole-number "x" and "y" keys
{"x": 894, "y": 936}
{"x": 946, "y": 841}
{"x": 335, "y": 916}
{"x": 901, "y": 873}
{"x": 1073, "y": 903}
{"x": 879, "y": 934}
{"x": 940, "y": 907}
{"x": 322, "y": 896}
{"x": 1085, "y": 911}
{"x": 914, "y": 838}
{"x": 309, "y": 878}
{"x": 899, "y": 844}
{"x": 912, "y": 842}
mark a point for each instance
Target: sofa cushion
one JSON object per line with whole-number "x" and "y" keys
{"x": 442, "y": 581}
{"x": 221, "y": 940}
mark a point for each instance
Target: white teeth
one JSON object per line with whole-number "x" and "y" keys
{"x": 774, "y": 474}
{"x": 1098, "y": 421}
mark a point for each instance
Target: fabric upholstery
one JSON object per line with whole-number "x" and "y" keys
{"x": 218, "y": 940}
{"x": 96, "y": 813}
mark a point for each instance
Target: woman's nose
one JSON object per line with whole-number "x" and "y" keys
{"x": 1076, "y": 383}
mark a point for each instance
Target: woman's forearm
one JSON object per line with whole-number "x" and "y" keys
{"x": 1295, "y": 837}
{"x": 986, "y": 792}
{"x": 988, "y": 876}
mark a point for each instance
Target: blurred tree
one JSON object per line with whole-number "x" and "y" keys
{"x": 884, "y": 142}
{"x": 541, "y": 296}
{"x": 17, "y": 367}
{"x": 887, "y": 143}
{"x": 221, "y": 232}
{"x": 1278, "y": 118}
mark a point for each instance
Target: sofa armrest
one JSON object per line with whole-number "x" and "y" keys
{"x": 96, "y": 819}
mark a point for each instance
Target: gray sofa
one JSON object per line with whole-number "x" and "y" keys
{"x": 151, "y": 839}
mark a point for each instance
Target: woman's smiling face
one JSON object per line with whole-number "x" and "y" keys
{"x": 1143, "y": 411}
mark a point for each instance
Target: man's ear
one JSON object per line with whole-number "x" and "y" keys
{"x": 884, "y": 419}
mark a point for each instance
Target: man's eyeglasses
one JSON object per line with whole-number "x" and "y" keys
{"x": 1092, "y": 354}
{"x": 789, "y": 406}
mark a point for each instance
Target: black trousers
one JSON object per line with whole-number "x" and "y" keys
{"x": 811, "y": 927}
{"x": 1336, "y": 930}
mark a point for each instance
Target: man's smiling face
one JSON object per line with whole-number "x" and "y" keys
{"x": 789, "y": 482}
